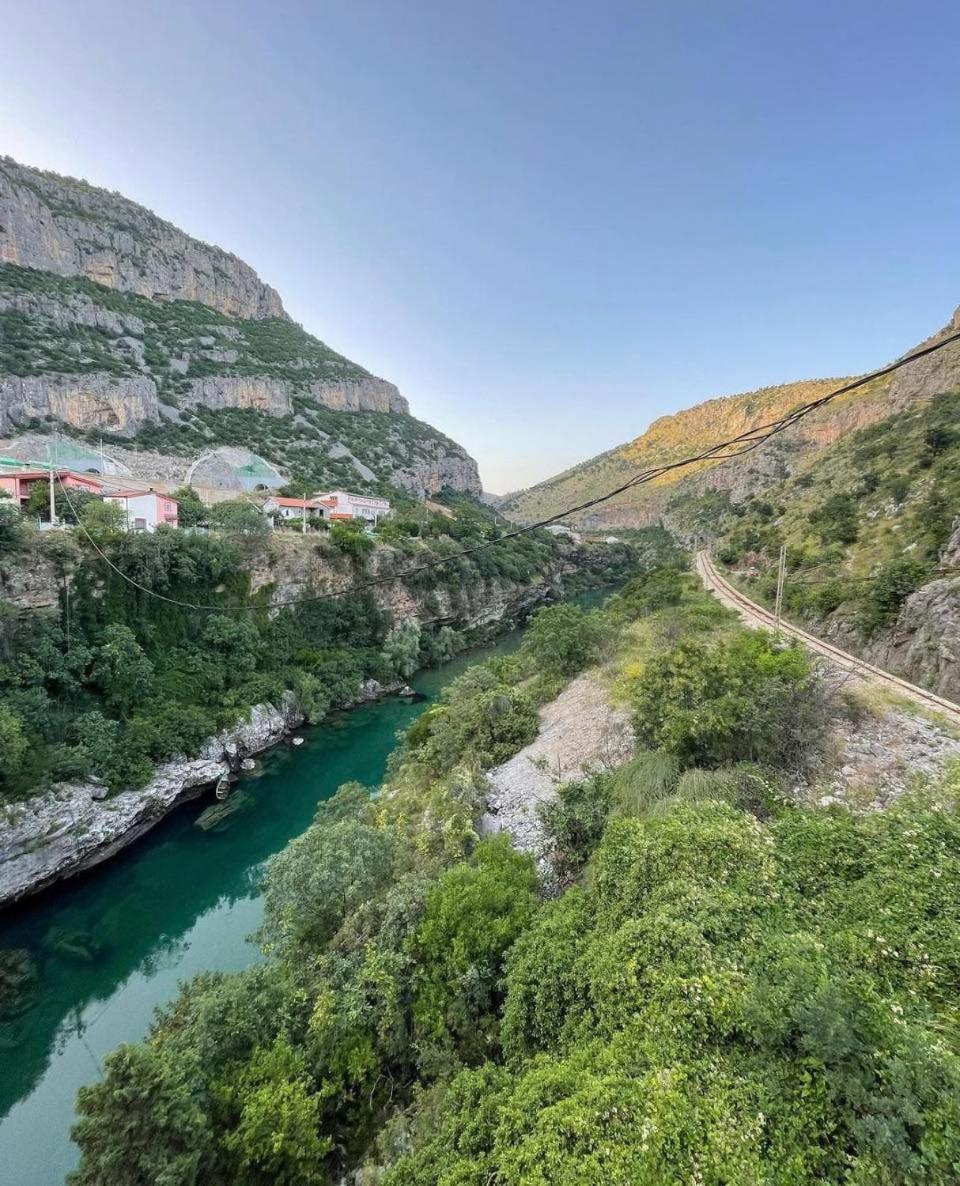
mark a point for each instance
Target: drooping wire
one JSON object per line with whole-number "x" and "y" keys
{"x": 737, "y": 446}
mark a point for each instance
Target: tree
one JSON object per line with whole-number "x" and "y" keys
{"x": 276, "y": 1138}
{"x": 14, "y": 745}
{"x": 143, "y": 1122}
{"x": 190, "y": 509}
{"x": 314, "y": 883}
{"x": 121, "y": 670}
{"x": 12, "y": 528}
{"x": 103, "y": 520}
{"x": 401, "y": 648}
{"x": 70, "y": 504}
{"x": 238, "y": 517}
{"x": 562, "y": 639}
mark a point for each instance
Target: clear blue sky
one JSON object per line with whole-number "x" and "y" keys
{"x": 548, "y": 222}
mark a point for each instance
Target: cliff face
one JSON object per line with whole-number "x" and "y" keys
{"x": 688, "y": 432}
{"x": 115, "y": 324}
{"x": 58, "y": 224}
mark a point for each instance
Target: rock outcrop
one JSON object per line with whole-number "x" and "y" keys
{"x": 75, "y": 826}
{"x": 924, "y": 643}
{"x": 62, "y": 225}
{"x": 115, "y": 323}
{"x": 85, "y": 402}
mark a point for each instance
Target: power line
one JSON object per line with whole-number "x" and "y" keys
{"x": 736, "y": 446}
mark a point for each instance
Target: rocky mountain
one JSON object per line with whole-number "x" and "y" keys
{"x": 117, "y": 326}
{"x": 62, "y": 225}
{"x": 672, "y": 437}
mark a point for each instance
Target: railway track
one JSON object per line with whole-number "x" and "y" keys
{"x": 756, "y": 615}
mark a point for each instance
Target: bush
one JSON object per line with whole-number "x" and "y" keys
{"x": 574, "y": 821}
{"x": 745, "y": 698}
{"x": 837, "y": 520}
{"x": 562, "y": 639}
{"x": 352, "y": 540}
{"x": 889, "y": 589}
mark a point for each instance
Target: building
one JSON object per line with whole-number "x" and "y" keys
{"x": 19, "y": 482}
{"x": 299, "y": 509}
{"x": 145, "y": 510}
{"x": 559, "y": 529}
{"x": 340, "y": 504}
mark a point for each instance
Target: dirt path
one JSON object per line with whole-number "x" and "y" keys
{"x": 756, "y": 615}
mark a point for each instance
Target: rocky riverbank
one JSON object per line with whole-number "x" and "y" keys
{"x": 580, "y": 733}
{"x": 75, "y": 826}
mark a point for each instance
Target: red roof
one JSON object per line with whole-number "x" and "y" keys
{"x": 296, "y": 502}
{"x": 138, "y": 494}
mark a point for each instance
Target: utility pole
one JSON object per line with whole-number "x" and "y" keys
{"x": 781, "y": 576}
{"x": 303, "y": 514}
{"x": 53, "y": 498}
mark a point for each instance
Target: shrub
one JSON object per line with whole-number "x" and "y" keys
{"x": 836, "y": 519}
{"x": 352, "y": 540}
{"x": 746, "y": 698}
{"x": 574, "y": 821}
{"x": 889, "y": 589}
{"x": 562, "y": 640}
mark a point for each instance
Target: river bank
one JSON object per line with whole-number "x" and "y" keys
{"x": 75, "y": 826}
{"x": 179, "y": 902}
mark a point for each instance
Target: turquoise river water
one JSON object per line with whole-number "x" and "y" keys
{"x": 180, "y": 901}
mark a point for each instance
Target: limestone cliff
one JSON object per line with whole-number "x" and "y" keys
{"x": 115, "y": 324}
{"x": 62, "y": 225}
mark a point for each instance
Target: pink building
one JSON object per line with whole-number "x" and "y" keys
{"x": 145, "y": 510}
{"x": 19, "y": 483}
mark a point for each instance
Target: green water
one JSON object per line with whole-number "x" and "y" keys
{"x": 180, "y": 901}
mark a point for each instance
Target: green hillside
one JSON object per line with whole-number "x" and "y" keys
{"x": 867, "y": 523}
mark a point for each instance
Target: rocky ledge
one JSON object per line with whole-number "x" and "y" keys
{"x": 580, "y": 734}
{"x": 74, "y": 826}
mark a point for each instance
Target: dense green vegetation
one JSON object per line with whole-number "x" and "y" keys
{"x": 865, "y": 529}
{"x": 118, "y": 680}
{"x": 729, "y": 988}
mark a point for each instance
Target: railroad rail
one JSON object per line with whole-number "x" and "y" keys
{"x": 757, "y": 615}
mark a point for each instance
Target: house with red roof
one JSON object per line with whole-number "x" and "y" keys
{"x": 299, "y": 509}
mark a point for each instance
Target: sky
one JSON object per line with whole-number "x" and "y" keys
{"x": 548, "y": 222}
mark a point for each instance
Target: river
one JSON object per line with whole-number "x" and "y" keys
{"x": 180, "y": 901}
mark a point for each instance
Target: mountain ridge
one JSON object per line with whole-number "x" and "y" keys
{"x": 116, "y": 324}
{"x": 677, "y": 435}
